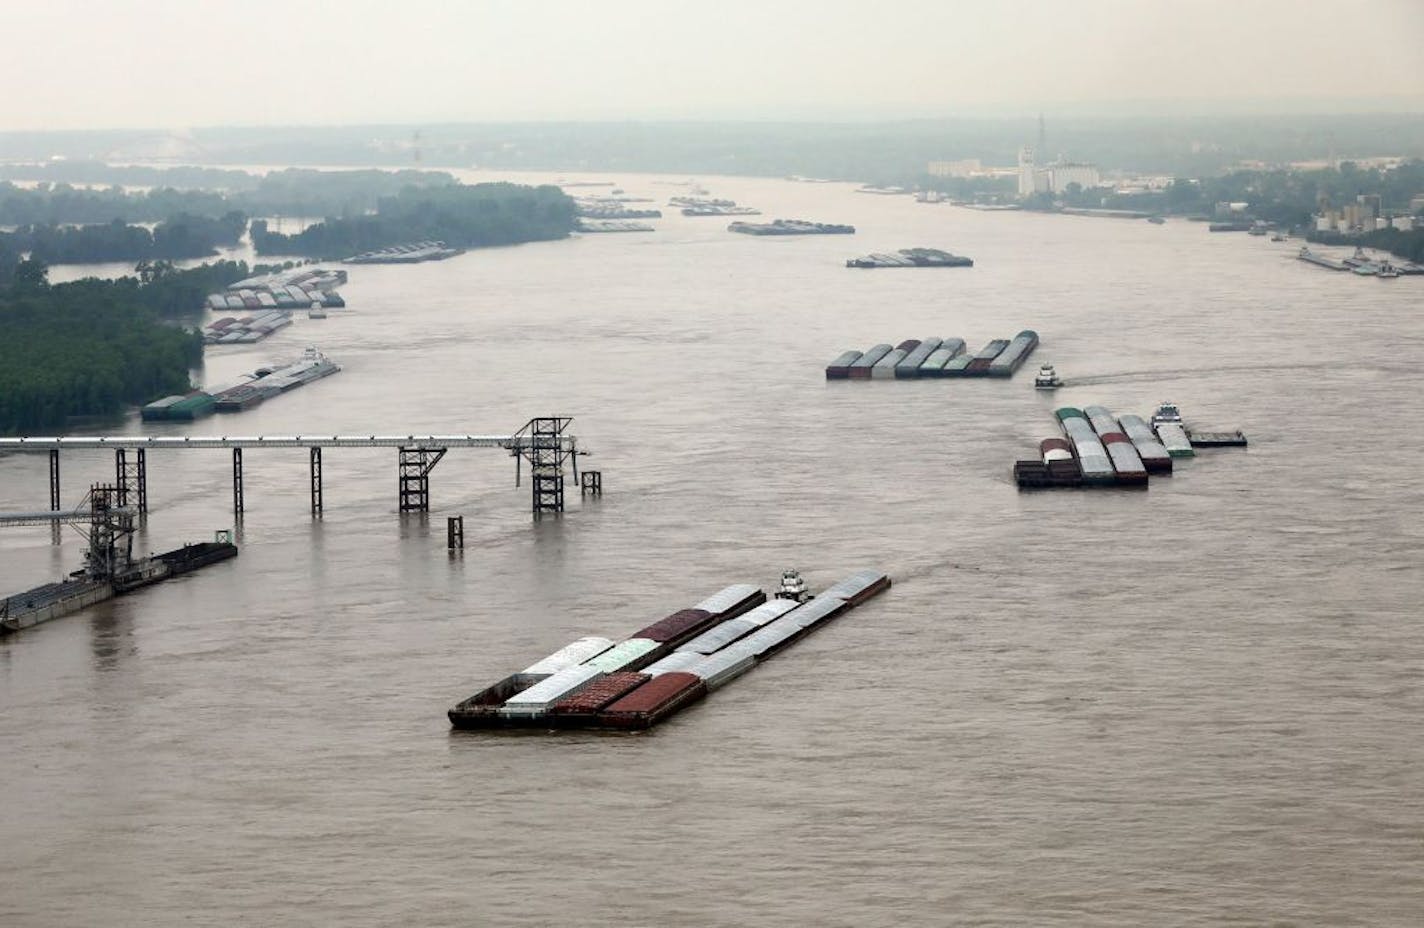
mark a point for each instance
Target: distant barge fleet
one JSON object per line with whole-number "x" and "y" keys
{"x": 934, "y": 357}
{"x": 662, "y": 668}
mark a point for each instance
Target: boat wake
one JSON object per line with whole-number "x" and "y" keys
{"x": 1130, "y": 376}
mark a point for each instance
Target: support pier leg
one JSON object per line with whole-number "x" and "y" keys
{"x": 316, "y": 506}
{"x": 237, "y": 482}
{"x": 414, "y": 466}
{"x": 131, "y": 477}
{"x": 546, "y": 464}
{"x": 455, "y": 533}
{"x": 54, "y": 494}
{"x": 141, "y": 473}
{"x": 121, "y": 476}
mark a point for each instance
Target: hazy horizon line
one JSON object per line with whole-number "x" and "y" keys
{"x": 1158, "y": 110}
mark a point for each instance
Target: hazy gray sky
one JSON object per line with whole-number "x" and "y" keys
{"x": 173, "y": 63}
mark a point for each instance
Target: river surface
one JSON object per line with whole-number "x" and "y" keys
{"x": 1198, "y": 704}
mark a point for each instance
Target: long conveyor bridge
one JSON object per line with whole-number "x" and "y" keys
{"x": 545, "y": 443}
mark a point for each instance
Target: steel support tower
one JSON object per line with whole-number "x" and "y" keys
{"x": 542, "y": 443}
{"x": 131, "y": 477}
{"x": 414, "y": 466}
{"x": 110, "y": 533}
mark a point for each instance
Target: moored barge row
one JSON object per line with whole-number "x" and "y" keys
{"x": 594, "y": 683}
{"x": 934, "y": 357}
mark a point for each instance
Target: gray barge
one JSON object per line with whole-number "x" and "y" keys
{"x": 911, "y": 257}
{"x": 791, "y": 227}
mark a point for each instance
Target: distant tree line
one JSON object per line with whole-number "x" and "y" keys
{"x": 181, "y": 236}
{"x": 291, "y": 192}
{"x": 62, "y": 204}
{"x": 91, "y": 347}
{"x": 462, "y": 216}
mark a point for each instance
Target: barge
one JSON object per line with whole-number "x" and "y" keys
{"x": 1103, "y": 450}
{"x": 1153, "y": 453}
{"x": 912, "y": 257}
{"x": 839, "y": 369}
{"x": 246, "y": 330}
{"x": 909, "y": 366}
{"x": 934, "y": 357}
{"x": 1305, "y": 254}
{"x": 179, "y": 408}
{"x": 413, "y": 253}
{"x": 948, "y": 350}
{"x": 611, "y": 225}
{"x": 596, "y": 684}
{"x": 720, "y": 211}
{"x": 1236, "y": 439}
{"x": 860, "y": 368}
{"x": 791, "y": 227}
{"x": 1088, "y": 450}
{"x": 249, "y": 391}
{"x": 1008, "y": 361}
{"x": 297, "y": 288}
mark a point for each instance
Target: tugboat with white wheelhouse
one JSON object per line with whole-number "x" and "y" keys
{"x": 793, "y": 587}
{"x": 1167, "y": 413}
{"x": 1047, "y": 378}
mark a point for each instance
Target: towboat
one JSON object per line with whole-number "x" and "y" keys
{"x": 1387, "y": 271}
{"x": 1047, "y": 378}
{"x": 1167, "y": 413}
{"x": 792, "y": 587}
